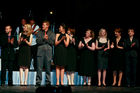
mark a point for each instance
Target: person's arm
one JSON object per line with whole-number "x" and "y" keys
{"x": 20, "y": 39}
{"x": 30, "y": 40}
{"x": 40, "y": 38}
{"x": 57, "y": 42}
{"x": 67, "y": 40}
{"x": 135, "y": 45}
{"x": 51, "y": 39}
{"x": 112, "y": 45}
{"x": 81, "y": 45}
{"x": 98, "y": 48}
{"x": 108, "y": 44}
{"x": 120, "y": 47}
{"x": 92, "y": 47}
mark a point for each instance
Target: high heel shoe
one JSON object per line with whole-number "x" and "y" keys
{"x": 99, "y": 84}
{"x": 119, "y": 85}
{"x": 89, "y": 83}
{"x": 114, "y": 84}
{"x": 25, "y": 83}
{"x": 104, "y": 85}
{"x": 84, "y": 83}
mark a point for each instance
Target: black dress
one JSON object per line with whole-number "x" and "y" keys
{"x": 71, "y": 57}
{"x": 24, "y": 58}
{"x": 117, "y": 56}
{"x": 102, "y": 56}
{"x": 60, "y": 53}
{"x": 87, "y": 60}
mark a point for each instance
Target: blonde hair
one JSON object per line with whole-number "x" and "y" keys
{"x": 100, "y": 33}
{"x": 29, "y": 30}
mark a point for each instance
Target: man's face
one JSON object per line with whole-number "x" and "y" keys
{"x": 131, "y": 32}
{"x": 8, "y": 29}
{"x": 45, "y": 26}
{"x": 23, "y": 21}
{"x": 32, "y": 22}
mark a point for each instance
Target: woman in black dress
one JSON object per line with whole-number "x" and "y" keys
{"x": 87, "y": 62}
{"x": 24, "y": 59}
{"x": 60, "y": 56}
{"x": 71, "y": 57}
{"x": 117, "y": 46}
{"x": 102, "y": 45}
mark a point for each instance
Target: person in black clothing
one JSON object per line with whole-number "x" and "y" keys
{"x": 24, "y": 57}
{"x": 60, "y": 55}
{"x": 102, "y": 46}
{"x": 8, "y": 55}
{"x": 72, "y": 57}
{"x": 117, "y": 56}
{"x": 87, "y": 58}
{"x": 131, "y": 45}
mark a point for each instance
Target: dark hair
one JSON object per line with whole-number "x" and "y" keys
{"x": 63, "y": 25}
{"x": 46, "y": 21}
{"x": 119, "y": 30}
{"x": 8, "y": 25}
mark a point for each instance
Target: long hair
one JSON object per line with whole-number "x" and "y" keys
{"x": 29, "y": 30}
{"x": 100, "y": 33}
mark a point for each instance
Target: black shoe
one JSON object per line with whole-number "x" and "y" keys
{"x": 2, "y": 84}
{"x": 128, "y": 86}
{"x": 38, "y": 84}
{"x": 10, "y": 84}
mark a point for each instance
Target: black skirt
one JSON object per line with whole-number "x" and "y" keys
{"x": 24, "y": 58}
{"x": 60, "y": 55}
{"x": 71, "y": 59}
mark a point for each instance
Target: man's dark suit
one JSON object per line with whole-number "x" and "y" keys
{"x": 131, "y": 60}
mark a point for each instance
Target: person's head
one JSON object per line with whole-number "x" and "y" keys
{"x": 45, "y": 25}
{"x": 118, "y": 32}
{"x": 89, "y": 33}
{"x": 27, "y": 29}
{"x": 32, "y": 21}
{"x": 62, "y": 27}
{"x": 23, "y": 21}
{"x": 102, "y": 32}
{"x": 71, "y": 31}
{"x": 131, "y": 32}
{"x": 8, "y": 29}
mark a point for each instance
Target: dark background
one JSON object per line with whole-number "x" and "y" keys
{"x": 81, "y": 14}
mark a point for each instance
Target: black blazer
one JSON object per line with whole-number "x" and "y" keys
{"x": 7, "y": 49}
{"x": 131, "y": 51}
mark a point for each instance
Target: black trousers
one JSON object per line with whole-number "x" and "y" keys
{"x": 34, "y": 56}
{"x": 6, "y": 64}
{"x": 131, "y": 64}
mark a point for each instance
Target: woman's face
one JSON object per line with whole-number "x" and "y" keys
{"x": 68, "y": 32}
{"x": 103, "y": 33}
{"x": 117, "y": 34}
{"x": 25, "y": 28}
{"x": 88, "y": 34}
{"x": 61, "y": 29}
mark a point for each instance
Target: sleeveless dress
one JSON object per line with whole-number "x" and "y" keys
{"x": 102, "y": 56}
{"x": 87, "y": 60}
{"x": 71, "y": 57}
{"x": 117, "y": 56}
{"x": 60, "y": 53}
{"x": 24, "y": 58}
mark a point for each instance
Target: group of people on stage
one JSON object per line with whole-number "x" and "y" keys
{"x": 36, "y": 43}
